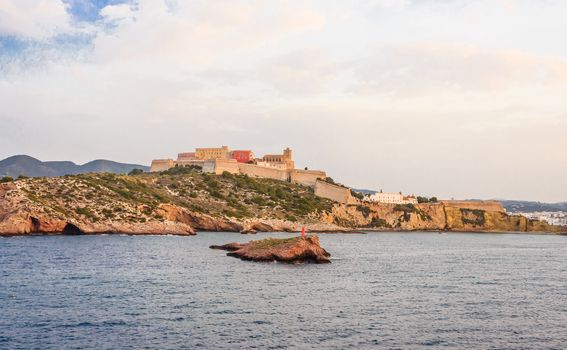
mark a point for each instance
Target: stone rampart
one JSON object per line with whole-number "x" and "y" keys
{"x": 187, "y": 163}
{"x": 219, "y": 166}
{"x": 306, "y": 177}
{"x": 161, "y": 165}
{"x": 260, "y": 171}
{"x": 333, "y": 192}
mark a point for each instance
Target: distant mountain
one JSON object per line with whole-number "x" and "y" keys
{"x": 364, "y": 191}
{"x": 513, "y": 206}
{"x": 29, "y": 166}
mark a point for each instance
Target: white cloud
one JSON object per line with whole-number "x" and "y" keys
{"x": 33, "y": 19}
{"x": 427, "y": 68}
{"x": 393, "y": 101}
{"x": 112, "y": 13}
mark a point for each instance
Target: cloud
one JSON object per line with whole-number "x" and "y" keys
{"x": 198, "y": 33}
{"x": 393, "y": 100}
{"x": 428, "y": 68}
{"x": 113, "y": 13}
{"x": 33, "y": 19}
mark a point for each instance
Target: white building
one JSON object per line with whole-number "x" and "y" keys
{"x": 390, "y": 197}
{"x": 553, "y": 218}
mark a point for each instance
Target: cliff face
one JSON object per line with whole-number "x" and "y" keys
{"x": 435, "y": 216}
{"x": 183, "y": 201}
{"x": 176, "y": 202}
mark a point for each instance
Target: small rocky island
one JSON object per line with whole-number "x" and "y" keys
{"x": 289, "y": 250}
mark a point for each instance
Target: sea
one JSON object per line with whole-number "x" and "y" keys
{"x": 381, "y": 291}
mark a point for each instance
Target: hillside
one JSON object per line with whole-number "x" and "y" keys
{"x": 32, "y": 167}
{"x": 527, "y": 206}
{"x": 183, "y": 200}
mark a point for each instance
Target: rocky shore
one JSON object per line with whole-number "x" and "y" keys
{"x": 185, "y": 203}
{"x": 289, "y": 250}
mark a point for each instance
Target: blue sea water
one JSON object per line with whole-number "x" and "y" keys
{"x": 382, "y": 290}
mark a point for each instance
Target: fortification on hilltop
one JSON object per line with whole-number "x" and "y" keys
{"x": 218, "y": 160}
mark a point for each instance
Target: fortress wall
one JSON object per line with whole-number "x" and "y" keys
{"x": 307, "y": 177}
{"x": 161, "y": 165}
{"x": 476, "y": 205}
{"x": 333, "y": 192}
{"x": 193, "y": 162}
{"x": 219, "y": 166}
{"x": 260, "y": 171}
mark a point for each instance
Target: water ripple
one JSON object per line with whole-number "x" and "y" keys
{"x": 392, "y": 291}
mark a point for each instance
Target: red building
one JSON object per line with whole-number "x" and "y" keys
{"x": 242, "y": 156}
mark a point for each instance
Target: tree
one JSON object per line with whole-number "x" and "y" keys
{"x": 357, "y": 195}
{"x": 6, "y": 179}
{"x": 426, "y": 200}
{"x": 136, "y": 172}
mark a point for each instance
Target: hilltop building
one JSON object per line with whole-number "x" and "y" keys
{"x": 186, "y": 156}
{"x": 280, "y": 161}
{"x": 221, "y": 159}
{"x": 392, "y": 198}
{"x": 212, "y": 153}
{"x": 242, "y": 156}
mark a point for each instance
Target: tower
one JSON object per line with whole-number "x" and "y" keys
{"x": 287, "y": 155}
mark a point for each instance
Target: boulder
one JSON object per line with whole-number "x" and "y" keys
{"x": 289, "y": 250}
{"x": 197, "y": 221}
{"x": 248, "y": 232}
{"x": 262, "y": 227}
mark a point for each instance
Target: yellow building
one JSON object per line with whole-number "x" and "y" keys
{"x": 212, "y": 153}
{"x": 284, "y": 160}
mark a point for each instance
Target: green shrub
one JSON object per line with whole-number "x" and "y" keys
{"x": 86, "y": 213}
{"x": 407, "y": 209}
{"x": 180, "y": 170}
{"x": 378, "y": 222}
{"x": 357, "y": 195}
{"x": 6, "y": 179}
{"x": 426, "y": 200}
{"x": 473, "y": 217}
{"x": 364, "y": 210}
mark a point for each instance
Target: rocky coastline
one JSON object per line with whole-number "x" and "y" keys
{"x": 184, "y": 204}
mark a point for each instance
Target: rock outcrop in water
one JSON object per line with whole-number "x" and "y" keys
{"x": 288, "y": 250}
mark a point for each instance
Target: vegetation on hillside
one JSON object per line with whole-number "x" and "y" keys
{"x": 408, "y": 209}
{"x": 473, "y": 217}
{"x": 6, "y": 179}
{"x": 135, "y": 197}
{"x": 426, "y": 199}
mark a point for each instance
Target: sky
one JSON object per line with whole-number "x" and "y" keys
{"x": 454, "y": 99}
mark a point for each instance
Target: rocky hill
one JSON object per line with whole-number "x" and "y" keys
{"x": 29, "y": 166}
{"x": 183, "y": 200}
